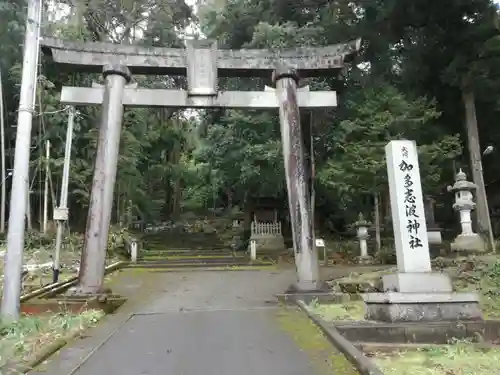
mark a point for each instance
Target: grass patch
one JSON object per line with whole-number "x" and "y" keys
{"x": 21, "y": 339}
{"x": 457, "y": 359}
{"x": 480, "y": 275}
{"x": 308, "y": 338}
{"x": 367, "y": 276}
{"x": 354, "y": 310}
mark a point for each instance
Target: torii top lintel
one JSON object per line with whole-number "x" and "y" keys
{"x": 90, "y": 57}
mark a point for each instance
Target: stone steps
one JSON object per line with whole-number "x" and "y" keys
{"x": 194, "y": 249}
{"x": 184, "y": 245}
{"x": 368, "y": 333}
{"x": 191, "y": 256}
{"x": 196, "y": 260}
{"x": 186, "y": 260}
{"x": 187, "y": 252}
{"x": 388, "y": 347}
{"x": 169, "y": 265}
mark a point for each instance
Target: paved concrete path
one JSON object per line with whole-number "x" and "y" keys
{"x": 196, "y": 323}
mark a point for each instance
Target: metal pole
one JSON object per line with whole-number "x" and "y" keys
{"x": 93, "y": 260}
{"x": 46, "y": 188}
{"x": 19, "y": 194}
{"x": 299, "y": 194}
{"x": 2, "y": 156}
{"x": 61, "y": 213}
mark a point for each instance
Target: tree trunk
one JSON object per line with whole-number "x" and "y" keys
{"x": 29, "y": 225}
{"x": 229, "y": 195}
{"x": 377, "y": 221}
{"x": 167, "y": 208}
{"x": 176, "y": 194}
{"x": 387, "y": 209}
{"x": 118, "y": 204}
{"x": 482, "y": 211}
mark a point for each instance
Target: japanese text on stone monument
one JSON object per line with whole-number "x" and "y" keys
{"x": 412, "y": 217}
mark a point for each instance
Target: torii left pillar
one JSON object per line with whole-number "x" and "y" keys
{"x": 297, "y": 180}
{"x": 92, "y": 265}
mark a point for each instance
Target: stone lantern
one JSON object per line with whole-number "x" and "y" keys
{"x": 467, "y": 241}
{"x": 362, "y": 234}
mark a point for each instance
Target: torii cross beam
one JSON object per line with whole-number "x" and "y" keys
{"x": 202, "y": 63}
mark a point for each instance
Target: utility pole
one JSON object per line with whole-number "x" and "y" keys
{"x": 61, "y": 212}
{"x": 46, "y": 188}
{"x": 483, "y": 212}
{"x": 2, "y": 156}
{"x": 20, "y": 178}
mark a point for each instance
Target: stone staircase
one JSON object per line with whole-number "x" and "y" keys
{"x": 189, "y": 250}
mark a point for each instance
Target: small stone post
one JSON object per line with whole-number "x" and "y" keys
{"x": 468, "y": 241}
{"x": 362, "y": 234}
{"x": 253, "y": 250}
{"x": 133, "y": 251}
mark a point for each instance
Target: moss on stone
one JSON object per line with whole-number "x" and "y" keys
{"x": 353, "y": 310}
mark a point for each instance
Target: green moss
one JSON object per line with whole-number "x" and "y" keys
{"x": 459, "y": 359}
{"x": 484, "y": 279}
{"x": 354, "y": 310}
{"x": 21, "y": 339}
{"x": 368, "y": 276}
{"x": 127, "y": 282}
{"x": 308, "y": 337}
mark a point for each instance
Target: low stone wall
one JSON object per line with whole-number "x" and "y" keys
{"x": 268, "y": 244}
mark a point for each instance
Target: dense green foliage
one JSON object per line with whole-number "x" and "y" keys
{"x": 417, "y": 57}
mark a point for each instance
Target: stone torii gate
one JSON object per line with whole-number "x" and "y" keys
{"x": 202, "y": 63}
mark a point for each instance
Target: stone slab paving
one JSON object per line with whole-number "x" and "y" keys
{"x": 196, "y": 323}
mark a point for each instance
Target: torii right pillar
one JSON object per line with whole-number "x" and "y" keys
{"x": 297, "y": 181}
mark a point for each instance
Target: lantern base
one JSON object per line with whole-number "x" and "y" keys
{"x": 468, "y": 244}
{"x": 365, "y": 259}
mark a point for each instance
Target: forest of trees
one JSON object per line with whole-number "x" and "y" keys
{"x": 420, "y": 60}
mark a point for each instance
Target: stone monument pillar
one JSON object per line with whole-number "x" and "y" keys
{"x": 414, "y": 293}
{"x": 466, "y": 242}
{"x": 362, "y": 234}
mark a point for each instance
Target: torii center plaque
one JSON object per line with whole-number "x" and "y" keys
{"x": 202, "y": 62}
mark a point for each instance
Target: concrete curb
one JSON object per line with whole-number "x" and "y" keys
{"x": 51, "y": 288}
{"x": 364, "y": 365}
